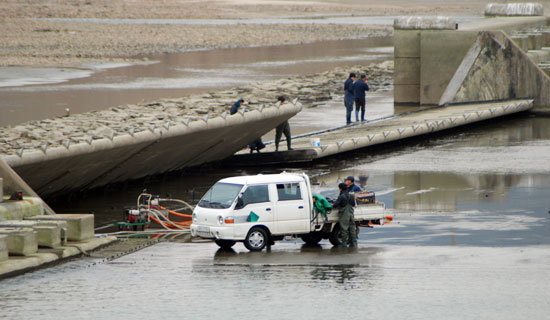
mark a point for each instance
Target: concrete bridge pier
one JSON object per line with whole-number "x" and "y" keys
{"x": 408, "y": 32}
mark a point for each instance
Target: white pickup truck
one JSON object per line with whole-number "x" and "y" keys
{"x": 261, "y": 209}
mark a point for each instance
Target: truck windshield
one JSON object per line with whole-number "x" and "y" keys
{"x": 220, "y": 196}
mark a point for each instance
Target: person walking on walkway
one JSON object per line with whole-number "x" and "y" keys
{"x": 349, "y": 97}
{"x": 282, "y": 128}
{"x": 359, "y": 89}
{"x": 345, "y": 217}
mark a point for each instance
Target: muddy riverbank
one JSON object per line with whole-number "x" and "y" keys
{"x": 28, "y": 41}
{"x": 310, "y": 90}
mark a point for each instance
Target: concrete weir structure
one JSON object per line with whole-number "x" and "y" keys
{"x": 52, "y": 170}
{"x": 438, "y": 62}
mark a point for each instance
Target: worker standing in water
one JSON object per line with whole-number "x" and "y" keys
{"x": 345, "y": 204}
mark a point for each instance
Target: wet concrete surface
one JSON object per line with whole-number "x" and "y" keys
{"x": 470, "y": 239}
{"x": 171, "y": 76}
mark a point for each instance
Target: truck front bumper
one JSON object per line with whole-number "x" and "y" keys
{"x": 213, "y": 232}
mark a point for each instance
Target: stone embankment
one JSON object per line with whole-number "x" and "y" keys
{"x": 75, "y": 128}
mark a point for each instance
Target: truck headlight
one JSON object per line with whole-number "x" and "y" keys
{"x": 220, "y": 219}
{"x": 194, "y": 217}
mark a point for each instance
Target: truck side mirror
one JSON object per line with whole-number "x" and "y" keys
{"x": 240, "y": 202}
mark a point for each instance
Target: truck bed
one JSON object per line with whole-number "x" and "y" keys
{"x": 369, "y": 212}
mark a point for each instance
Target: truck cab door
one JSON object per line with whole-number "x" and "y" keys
{"x": 254, "y": 207}
{"x": 292, "y": 209}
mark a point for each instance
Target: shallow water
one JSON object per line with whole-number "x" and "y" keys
{"x": 470, "y": 239}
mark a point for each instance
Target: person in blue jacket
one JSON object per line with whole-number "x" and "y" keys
{"x": 349, "y": 97}
{"x": 235, "y": 107}
{"x": 359, "y": 89}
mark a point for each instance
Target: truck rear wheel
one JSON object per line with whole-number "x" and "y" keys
{"x": 256, "y": 239}
{"x": 225, "y": 244}
{"x": 336, "y": 235}
{"x": 312, "y": 238}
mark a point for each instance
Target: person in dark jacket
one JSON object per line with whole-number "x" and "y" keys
{"x": 282, "y": 128}
{"x": 345, "y": 217}
{"x": 352, "y": 187}
{"x": 235, "y": 107}
{"x": 255, "y": 145}
{"x": 359, "y": 89}
{"x": 349, "y": 97}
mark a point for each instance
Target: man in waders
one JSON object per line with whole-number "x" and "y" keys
{"x": 345, "y": 203}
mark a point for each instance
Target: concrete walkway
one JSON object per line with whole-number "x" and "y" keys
{"x": 354, "y": 137}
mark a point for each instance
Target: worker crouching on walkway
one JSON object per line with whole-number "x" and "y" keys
{"x": 282, "y": 128}
{"x": 255, "y": 145}
{"x": 345, "y": 203}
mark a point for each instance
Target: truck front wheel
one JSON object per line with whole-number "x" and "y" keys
{"x": 256, "y": 239}
{"x": 225, "y": 244}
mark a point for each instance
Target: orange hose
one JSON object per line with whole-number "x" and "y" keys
{"x": 177, "y": 214}
{"x": 182, "y": 224}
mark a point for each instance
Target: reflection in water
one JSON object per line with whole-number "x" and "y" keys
{"x": 343, "y": 274}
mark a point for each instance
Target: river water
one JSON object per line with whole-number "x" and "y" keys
{"x": 470, "y": 239}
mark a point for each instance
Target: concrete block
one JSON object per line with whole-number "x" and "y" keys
{"x": 514, "y": 9}
{"x": 441, "y": 54}
{"x": 545, "y": 38}
{"x": 48, "y": 235}
{"x": 534, "y": 41}
{"x": 21, "y": 241}
{"x": 17, "y": 210}
{"x": 3, "y": 248}
{"x": 406, "y": 71}
{"x": 406, "y": 43}
{"x": 540, "y": 56}
{"x": 521, "y": 41}
{"x": 61, "y": 224}
{"x": 406, "y": 94}
{"x": 79, "y": 226}
{"x": 424, "y": 23}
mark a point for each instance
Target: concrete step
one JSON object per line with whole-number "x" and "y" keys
{"x": 540, "y": 56}
{"x": 3, "y": 248}
{"x": 49, "y": 235}
{"x": 80, "y": 226}
{"x": 21, "y": 241}
{"x": 521, "y": 41}
{"x": 545, "y": 68}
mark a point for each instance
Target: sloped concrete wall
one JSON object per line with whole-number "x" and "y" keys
{"x": 441, "y": 52}
{"x": 495, "y": 68}
{"x": 103, "y": 161}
